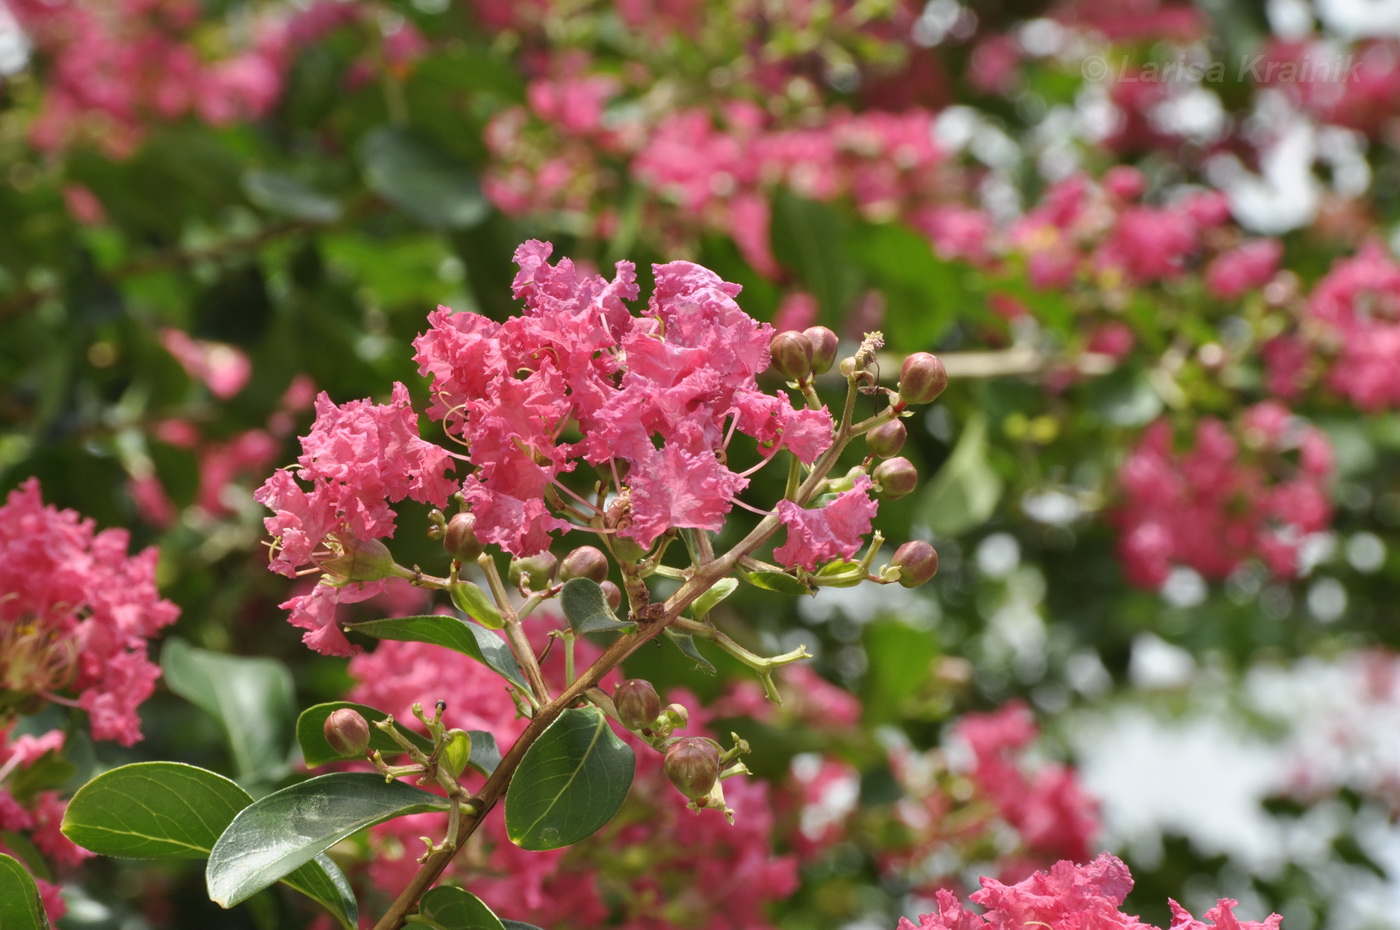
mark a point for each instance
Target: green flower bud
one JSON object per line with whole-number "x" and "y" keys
{"x": 459, "y": 539}
{"x": 917, "y": 562}
{"x": 792, "y": 354}
{"x": 895, "y": 477}
{"x": 357, "y": 559}
{"x": 347, "y": 731}
{"x": 638, "y": 705}
{"x": 535, "y": 570}
{"x": 922, "y": 378}
{"x": 457, "y": 751}
{"x": 584, "y": 562}
{"x": 824, "y": 346}
{"x": 886, "y": 439}
{"x": 692, "y": 764}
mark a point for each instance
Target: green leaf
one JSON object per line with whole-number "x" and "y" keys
{"x": 810, "y": 239}
{"x": 447, "y": 908}
{"x": 586, "y": 606}
{"x": 153, "y": 810}
{"x": 472, "y": 601}
{"x": 517, "y": 925}
{"x": 570, "y": 783}
{"x": 275, "y": 835}
{"x": 1125, "y": 398}
{"x": 706, "y": 602}
{"x": 169, "y": 810}
{"x": 19, "y": 898}
{"x": 450, "y": 633}
{"x": 250, "y": 698}
{"x": 686, "y": 644}
{"x": 780, "y": 582}
{"x": 418, "y": 178}
{"x": 966, "y": 490}
{"x": 289, "y": 196}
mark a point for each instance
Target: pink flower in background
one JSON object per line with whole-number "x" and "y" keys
{"x": 1069, "y": 897}
{"x": 221, "y": 367}
{"x": 1231, "y": 497}
{"x": 77, "y": 614}
{"x": 1243, "y": 268}
{"x": 1358, "y": 307}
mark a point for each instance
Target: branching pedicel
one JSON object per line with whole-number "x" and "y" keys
{"x": 579, "y": 416}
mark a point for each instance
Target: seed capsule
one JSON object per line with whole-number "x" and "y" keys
{"x": 539, "y": 567}
{"x": 886, "y": 439}
{"x": 584, "y": 562}
{"x": 917, "y": 562}
{"x": 347, "y": 731}
{"x": 922, "y": 378}
{"x": 637, "y": 703}
{"x": 692, "y": 764}
{"x": 895, "y": 477}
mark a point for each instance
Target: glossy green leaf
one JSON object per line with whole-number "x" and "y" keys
{"x": 450, "y": 633}
{"x": 586, "y": 606}
{"x": 19, "y": 898}
{"x": 965, "y": 492}
{"x": 706, "y": 602}
{"x": 418, "y": 178}
{"x": 447, "y": 908}
{"x": 570, "y": 783}
{"x": 686, "y": 644}
{"x": 475, "y": 603}
{"x": 780, "y": 582}
{"x": 250, "y": 698}
{"x": 277, "y": 834}
{"x": 289, "y": 196}
{"x": 169, "y": 810}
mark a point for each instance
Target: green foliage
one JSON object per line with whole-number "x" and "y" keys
{"x": 282, "y": 832}
{"x": 20, "y": 908}
{"x": 586, "y": 607}
{"x": 571, "y": 782}
{"x": 450, "y": 633}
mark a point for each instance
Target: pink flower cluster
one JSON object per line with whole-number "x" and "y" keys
{"x": 961, "y": 806}
{"x": 657, "y": 399}
{"x": 1351, "y": 326}
{"x": 1070, "y": 897}
{"x": 1252, "y": 490}
{"x": 658, "y": 865}
{"x": 37, "y": 815}
{"x": 76, "y": 615}
{"x": 117, "y": 66}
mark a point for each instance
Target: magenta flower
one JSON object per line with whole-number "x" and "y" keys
{"x": 834, "y": 531}
{"x": 77, "y": 612}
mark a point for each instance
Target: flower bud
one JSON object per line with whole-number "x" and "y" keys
{"x": 347, "y": 731}
{"x": 922, "y": 378}
{"x": 692, "y": 764}
{"x": 886, "y": 439}
{"x": 613, "y": 594}
{"x": 895, "y": 477}
{"x": 460, "y": 538}
{"x": 535, "y": 570}
{"x": 584, "y": 562}
{"x": 824, "y": 346}
{"x": 357, "y": 559}
{"x": 917, "y": 562}
{"x": 637, "y": 703}
{"x": 456, "y": 752}
{"x": 792, "y": 354}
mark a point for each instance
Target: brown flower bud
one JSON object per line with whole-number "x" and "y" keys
{"x": 922, "y": 378}
{"x": 584, "y": 562}
{"x": 917, "y": 562}
{"x": 637, "y": 703}
{"x": 886, "y": 439}
{"x": 613, "y": 594}
{"x": 895, "y": 477}
{"x": 692, "y": 764}
{"x": 824, "y": 346}
{"x": 536, "y": 570}
{"x": 347, "y": 731}
{"x": 460, "y": 540}
{"x": 792, "y": 354}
